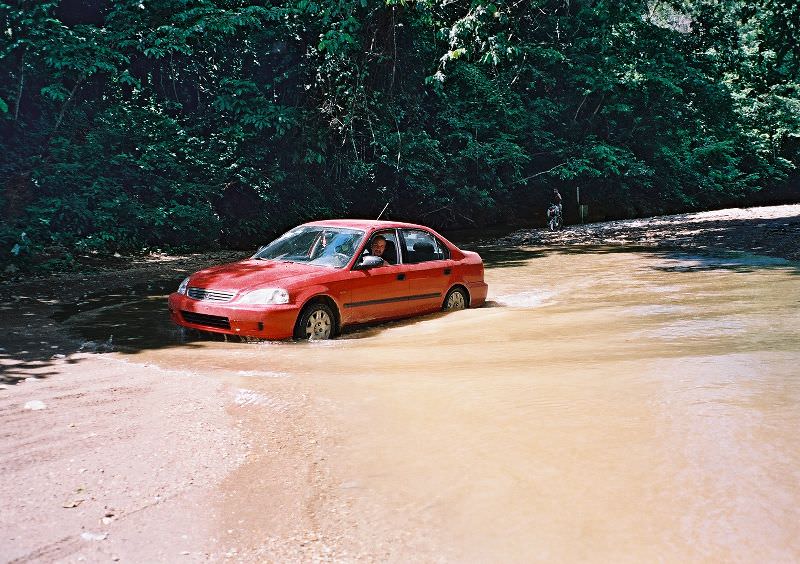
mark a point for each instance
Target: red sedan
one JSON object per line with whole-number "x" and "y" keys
{"x": 322, "y": 276}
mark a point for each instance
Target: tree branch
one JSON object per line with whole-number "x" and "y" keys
{"x": 540, "y": 173}
{"x": 21, "y": 83}
{"x": 66, "y": 103}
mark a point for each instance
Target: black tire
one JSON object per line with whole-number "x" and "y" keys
{"x": 455, "y": 299}
{"x": 316, "y": 322}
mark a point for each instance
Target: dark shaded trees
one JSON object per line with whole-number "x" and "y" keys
{"x": 133, "y": 125}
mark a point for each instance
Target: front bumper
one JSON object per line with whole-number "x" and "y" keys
{"x": 260, "y": 321}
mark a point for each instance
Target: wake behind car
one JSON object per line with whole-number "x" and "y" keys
{"x": 322, "y": 276}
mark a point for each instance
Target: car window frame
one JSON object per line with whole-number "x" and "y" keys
{"x": 444, "y": 249}
{"x": 368, "y": 244}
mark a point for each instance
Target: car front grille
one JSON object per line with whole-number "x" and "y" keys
{"x": 210, "y": 295}
{"x": 208, "y": 320}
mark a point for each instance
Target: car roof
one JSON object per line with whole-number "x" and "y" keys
{"x": 367, "y": 224}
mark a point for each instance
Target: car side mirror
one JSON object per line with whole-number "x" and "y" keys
{"x": 368, "y": 261}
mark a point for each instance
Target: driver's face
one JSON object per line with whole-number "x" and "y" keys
{"x": 378, "y": 246}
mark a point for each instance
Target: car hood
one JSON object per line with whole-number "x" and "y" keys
{"x": 251, "y": 274}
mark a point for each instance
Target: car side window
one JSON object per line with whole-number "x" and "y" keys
{"x": 386, "y": 249}
{"x": 421, "y": 246}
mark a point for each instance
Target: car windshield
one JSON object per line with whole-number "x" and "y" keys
{"x": 319, "y": 245}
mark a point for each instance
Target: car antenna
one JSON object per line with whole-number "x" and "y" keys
{"x": 383, "y": 210}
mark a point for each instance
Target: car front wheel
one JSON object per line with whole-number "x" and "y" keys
{"x": 455, "y": 299}
{"x": 316, "y": 322}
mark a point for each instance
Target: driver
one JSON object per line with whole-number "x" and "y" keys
{"x": 378, "y": 247}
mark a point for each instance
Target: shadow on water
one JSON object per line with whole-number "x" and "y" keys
{"x": 498, "y": 256}
{"x": 100, "y": 300}
{"x": 678, "y": 261}
{"x": 135, "y": 318}
{"x": 504, "y": 257}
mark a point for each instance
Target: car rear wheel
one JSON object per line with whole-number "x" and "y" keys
{"x": 316, "y": 322}
{"x": 455, "y": 299}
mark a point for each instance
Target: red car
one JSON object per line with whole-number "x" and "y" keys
{"x": 325, "y": 275}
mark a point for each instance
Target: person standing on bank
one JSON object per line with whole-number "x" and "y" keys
{"x": 555, "y": 218}
{"x": 557, "y": 199}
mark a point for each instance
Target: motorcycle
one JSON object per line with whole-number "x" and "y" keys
{"x": 555, "y": 221}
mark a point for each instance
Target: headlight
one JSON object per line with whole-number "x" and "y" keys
{"x": 266, "y": 296}
{"x": 182, "y": 287}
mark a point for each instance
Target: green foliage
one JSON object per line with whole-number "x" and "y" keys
{"x": 191, "y": 124}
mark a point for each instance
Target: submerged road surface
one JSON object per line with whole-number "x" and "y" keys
{"x": 604, "y": 406}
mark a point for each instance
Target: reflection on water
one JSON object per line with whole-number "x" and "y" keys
{"x": 614, "y": 407}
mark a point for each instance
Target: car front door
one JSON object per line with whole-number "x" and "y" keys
{"x": 379, "y": 292}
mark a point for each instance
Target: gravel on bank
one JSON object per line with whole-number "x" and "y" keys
{"x": 770, "y": 231}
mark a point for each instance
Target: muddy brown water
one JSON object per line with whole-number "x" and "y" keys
{"x": 615, "y": 406}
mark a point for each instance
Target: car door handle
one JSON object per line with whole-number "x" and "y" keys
{"x": 401, "y": 276}
{"x": 447, "y": 271}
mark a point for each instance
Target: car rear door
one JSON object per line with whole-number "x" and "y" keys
{"x": 428, "y": 269}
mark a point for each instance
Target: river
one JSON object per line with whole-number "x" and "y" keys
{"x": 603, "y": 406}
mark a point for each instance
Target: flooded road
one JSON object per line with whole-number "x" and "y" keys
{"x": 604, "y": 406}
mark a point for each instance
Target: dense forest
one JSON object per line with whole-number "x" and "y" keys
{"x": 135, "y": 125}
